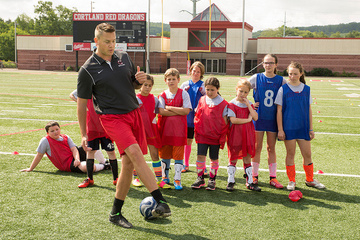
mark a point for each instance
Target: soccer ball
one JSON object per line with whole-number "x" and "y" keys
{"x": 295, "y": 195}
{"x": 146, "y": 207}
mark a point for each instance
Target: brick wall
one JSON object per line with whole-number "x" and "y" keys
{"x": 178, "y": 60}
{"x": 336, "y": 63}
{"x": 233, "y": 63}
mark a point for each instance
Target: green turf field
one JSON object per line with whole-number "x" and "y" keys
{"x": 47, "y": 204}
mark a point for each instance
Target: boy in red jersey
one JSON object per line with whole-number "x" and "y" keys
{"x": 149, "y": 106}
{"x": 61, "y": 151}
{"x": 174, "y": 106}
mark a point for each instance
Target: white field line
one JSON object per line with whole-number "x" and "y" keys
{"x": 222, "y": 167}
{"x": 341, "y": 134}
{"x": 320, "y": 116}
{"x": 27, "y": 119}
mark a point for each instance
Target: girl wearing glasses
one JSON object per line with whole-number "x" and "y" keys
{"x": 265, "y": 87}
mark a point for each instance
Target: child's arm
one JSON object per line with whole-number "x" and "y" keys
{"x": 178, "y": 110}
{"x": 311, "y": 130}
{"x": 76, "y": 156}
{"x": 253, "y": 113}
{"x": 34, "y": 163}
{"x": 235, "y": 120}
{"x": 279, "y": 119}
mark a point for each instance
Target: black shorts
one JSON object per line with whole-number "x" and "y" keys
{"x": 106, "y": 144}
{"x": 213, "y": 150}
{"x": 82, "y": 155}
{"x": 190, "y": 132}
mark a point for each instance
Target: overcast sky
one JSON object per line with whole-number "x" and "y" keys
{"x": 261, "y": 14}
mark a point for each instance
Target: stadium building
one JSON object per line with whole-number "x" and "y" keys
{"x": 221, "y": 53}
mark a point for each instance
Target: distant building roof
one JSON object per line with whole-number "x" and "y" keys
{"x": 216, "y": 15}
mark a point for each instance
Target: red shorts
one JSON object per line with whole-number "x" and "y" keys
{"x": 125, "y": 130}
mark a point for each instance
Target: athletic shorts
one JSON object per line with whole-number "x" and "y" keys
{"x": 106, "y": 144}
{"x": 125, "y": 130}
{"x": 172, "y": 152}
{"x": 190, "y": 132}
{"x": 82, "y": 155}
{"x": 213, "y": 150}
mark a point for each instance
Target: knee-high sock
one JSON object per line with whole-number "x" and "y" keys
{"x": 309, "y": 172}
{"x": 98, "y": 167}
{"x": 255, "y": 169}
{"x": 231, "y": 169}
{"x": 99, "y": 156}
{"x": 178, "y": 167}
{"x": 272, "y": 170}
{"x": 248, "y": 173}
{"x": 187, "y": 152}
{"x": 157, "y": 169}
{"x": 200, "y": 168}
{"x": 214, "y": 166}
{"x": 165, "y": 167}
{"x": 90, "y": 168}
{"x": 114, "y": 168}
{"x": 135, "y": 174}
{"x": 290, "y": 171}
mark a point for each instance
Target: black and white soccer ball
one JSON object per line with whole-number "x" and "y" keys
{"x": 146, "y": 206}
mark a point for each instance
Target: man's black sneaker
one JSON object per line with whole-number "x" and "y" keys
{"x": 253, "y": 187}
{"x": 198, "y": 183}
{"x": 119, "y": 220}
{"x": 161, "y": 210}
{"x": 230, "y": 186}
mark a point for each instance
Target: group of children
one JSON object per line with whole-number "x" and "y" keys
{"x": 196, "y": 109}
{"x": 282, "y": 109}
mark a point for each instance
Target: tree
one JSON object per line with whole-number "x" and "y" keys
{"x": 353, "y": 34}
{"x": 335, "y": 35}
{"x": 25, "y": 23}
{"x": 53, "y": 21}
{"x": 7, "y": 43}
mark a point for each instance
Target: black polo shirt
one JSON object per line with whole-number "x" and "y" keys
{"x": 110, "y": 83}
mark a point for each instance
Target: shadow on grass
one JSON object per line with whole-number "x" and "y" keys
{"x": 168, "y": 235}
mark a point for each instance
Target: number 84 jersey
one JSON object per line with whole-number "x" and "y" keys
{"x": 265, "y": 90}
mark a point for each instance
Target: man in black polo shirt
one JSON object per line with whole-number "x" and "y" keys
{"x": 111, "y": 78}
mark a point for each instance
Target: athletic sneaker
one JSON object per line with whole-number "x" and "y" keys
{"x": 107, "y": 165}
{"x": 211, "y": 185}
{"x": 230, "y": 186}
{"x": 119, "y": 220}
{"x": 161, "y": 210}
{"x": 177, "y": 185}
{"x": 115, "y": 181}
{"x": 87, "y": 182}
{"x": 166, "y": 180}
{"x": 253, "y": 187}
{"x": 275, "y": 183}
{"x": 315, "y": 183}
{"x": 185, "y": 169}
{"x": 256, "y": 180}
{"x": 163, "y": 184}
{"x": 136, "y": 182}
{"x": 291, "y": 186}
{"x": 198, "y": 183}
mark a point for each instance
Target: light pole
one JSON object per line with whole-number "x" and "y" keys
{"x": 148, "y": 41}
{"x": 15, "y": 46}
{"x": 242, "y": 67}
{"x": 92, "y": 6}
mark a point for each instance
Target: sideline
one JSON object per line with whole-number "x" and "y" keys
{"x": 222, "y": 167}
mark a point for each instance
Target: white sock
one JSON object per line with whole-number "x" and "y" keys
{"x": 99, "y": 156}
{"x": 178, "y": 168}
{"x": 231, "y": 173}
{"x": 98, "y": 167}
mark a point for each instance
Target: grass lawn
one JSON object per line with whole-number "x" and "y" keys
{"x": 47, "y": 204}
